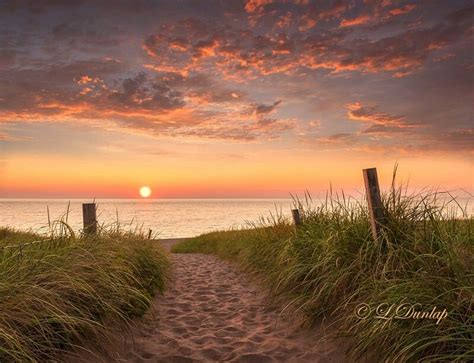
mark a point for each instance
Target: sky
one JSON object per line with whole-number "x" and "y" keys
{"x": 233, "y": 98}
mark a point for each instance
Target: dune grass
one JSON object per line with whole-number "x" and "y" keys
{"x": 329, "y": 265}
{"x": 55, "y": 293}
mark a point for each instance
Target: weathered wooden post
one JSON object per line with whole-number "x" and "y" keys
{"x": 149, "y": 234}
{"x": 374, "y": 200}
{"x": 296, "y": 216}
{"x": 89, "y": 218}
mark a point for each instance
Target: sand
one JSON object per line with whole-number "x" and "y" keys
{"x": 214, "y": 312}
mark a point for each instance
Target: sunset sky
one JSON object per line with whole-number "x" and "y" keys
{"x": 233, "y": 98}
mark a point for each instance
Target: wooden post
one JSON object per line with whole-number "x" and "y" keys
{"x": 149, "y": 234}
{"x": 296, "y": 216}
{"x": 89, "y": 218}
{"x": 373, "y": 200}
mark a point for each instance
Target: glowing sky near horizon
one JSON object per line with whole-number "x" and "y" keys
{"x": 235, "y": 98}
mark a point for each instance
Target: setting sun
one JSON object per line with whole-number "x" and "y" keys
{"x": 145, "y": 191}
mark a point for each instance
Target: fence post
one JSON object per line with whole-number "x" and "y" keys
{"x": 374, "y": 200}
{"x": 89, "y": 218}
{"x": 149, "y": 234}
{"x": 296, "y": 216}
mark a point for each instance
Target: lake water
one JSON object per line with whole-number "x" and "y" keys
{"x": 169, "y": 218}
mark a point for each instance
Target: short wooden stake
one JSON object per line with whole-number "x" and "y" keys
{"x": 89, "y": 218}
{"x": 296, "y": 216}
{"x": 149, "y": 234}
{"x": 373, "y": 200}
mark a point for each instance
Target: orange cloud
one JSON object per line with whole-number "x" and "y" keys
{"x": 252, "y": 6}
{"x": 284, "y": 21}
{"x": 239, "y": 55}
{"x": 335, "y": 10}
{"x": 379, "y": 123}
{"x": 306, "y": 23}
{"x": 84, "y": 80}
{"x": 358, "y": 112}
{"x": 361, "y": 19}
{"x": 170, "y": 104}
{"x": 402, "y": 10}
{"x": 179, "y": 44}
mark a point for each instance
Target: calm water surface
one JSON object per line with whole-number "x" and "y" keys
{"x": 170, "y": 218}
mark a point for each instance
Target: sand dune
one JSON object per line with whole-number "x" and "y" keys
{"x": 213, "y": 312}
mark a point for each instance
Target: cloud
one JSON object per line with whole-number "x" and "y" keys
{"x": 201, "y": 72}
{"x": 262, "y": 109}
{"x": 361, "y": 19}
{"x": 380, "y": 123}
{"x": 253, "y": 6}
{"x": 402, "y": 10}
{"x": 358, "y": 112}
{"x": 314, "y": 123}
{"x": 380, "y": 129}
{"x": 141, "y": 93}
{"x": 381, "y": 134}
{"x": 335, "y": 9}
{"x": 34, "y": 92}
{"x": 244, "y": 54}
{"x": 377, "y": 14}
{"x": 6, "y": 137}
{"x": 68, "y": 90}
{"x": 342, "y": 140}
{"x": 458, "y": 140}
{"x": 163, "y": 104}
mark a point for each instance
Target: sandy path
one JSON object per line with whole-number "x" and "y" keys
{"x": 212, "y": 312}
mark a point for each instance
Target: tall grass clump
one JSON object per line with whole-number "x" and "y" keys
{"x": 330, "y": 265}
{"x": 56, "y": 292}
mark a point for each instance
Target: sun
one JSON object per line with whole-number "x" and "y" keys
{"x": 145, "y": 191}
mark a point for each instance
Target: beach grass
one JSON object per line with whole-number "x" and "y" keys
{"x": 330, "y": 267}
{"x": 64, "y": 289}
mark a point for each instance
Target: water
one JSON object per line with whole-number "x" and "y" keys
{"x": 170, "y": 218}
